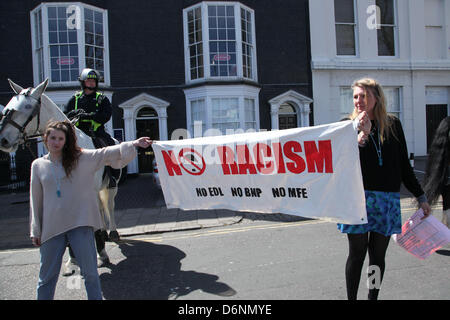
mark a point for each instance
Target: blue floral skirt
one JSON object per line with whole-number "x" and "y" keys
{"x": 383, "y": 214}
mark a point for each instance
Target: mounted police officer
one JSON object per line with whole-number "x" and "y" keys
{"x": 93, "y": 110}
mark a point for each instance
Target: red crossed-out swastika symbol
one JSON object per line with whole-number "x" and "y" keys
{"x": 191, "y": 161}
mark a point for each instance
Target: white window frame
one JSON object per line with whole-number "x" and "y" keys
{"x": 355, "y": 32}
{"x": 395, "y": 29}
{"x": 205, "y": 40}
{"x": 80, "y": 41}
{"x": 208, "y": 93}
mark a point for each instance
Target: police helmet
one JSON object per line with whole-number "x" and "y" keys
{"x": 89, "y": 74}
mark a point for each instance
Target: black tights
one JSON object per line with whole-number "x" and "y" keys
{"x": 359, "y": 244}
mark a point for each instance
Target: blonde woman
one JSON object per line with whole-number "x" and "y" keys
{"x": 385, "y": 166}
{"x": 64, "y": 205}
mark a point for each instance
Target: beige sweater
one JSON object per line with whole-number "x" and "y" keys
{"x": 78, "y": 205}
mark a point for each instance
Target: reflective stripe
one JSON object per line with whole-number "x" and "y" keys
{"x": 94, "y": 124}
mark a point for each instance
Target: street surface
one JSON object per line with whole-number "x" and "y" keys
{"x": 259, "y": 258}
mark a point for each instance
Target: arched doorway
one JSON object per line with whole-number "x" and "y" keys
{"x": 287, "y": 116}
{"x": 290, "y": 110}
{"x": 147, "y": 125}
{"x": 135, "y": 109}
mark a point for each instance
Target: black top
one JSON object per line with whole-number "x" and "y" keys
{"x": 396, "y": 167}
{"x": 102, "y": 114}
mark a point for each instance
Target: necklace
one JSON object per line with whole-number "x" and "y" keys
{"x": 57, "y": 181}
{"x": 378, "y": 148}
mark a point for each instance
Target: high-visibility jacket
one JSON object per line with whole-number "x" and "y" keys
{"x": 95, "y": 125}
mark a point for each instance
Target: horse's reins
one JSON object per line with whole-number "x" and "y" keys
{"x": 7, "y": 119}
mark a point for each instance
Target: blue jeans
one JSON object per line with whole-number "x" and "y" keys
{"x": 82, "y": 242}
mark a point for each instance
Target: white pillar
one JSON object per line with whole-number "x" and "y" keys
{"x": 274, "y": 110}
{"x": 306, "y": 110}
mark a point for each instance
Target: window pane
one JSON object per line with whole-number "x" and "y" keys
{"x": 195, "y": 42}
{"x": 392, "y": 99}
{"x": 51, "y": 12}
{"x": 247, "y": 46}
{"x": 286, "y": 108}
{"x": 386, "y": 11}
{"x": 94, "y": 45}
{"x": 89, "y": 15}
{"x": 99, "y": 40}
{"x": 343, "y": 11}
{"x": 98, "y": 17}
{"x": 55, "y": 76}
{"x": 345, "y": 40}
{"x": 63, "y": 38}
{"x": 221, "y": 11}
{"x": 72, "y": 36}
{"x": 52, "y": 25}
{"x": 147, "y": 112}
{"x": 249, "y": 106}
{"x": 222, "y": 51}
{"x": 62, "y": 12}
{"x": 63, "y": 49}
{"x": 65, "y": 75}
{"x": 53, "y": 37}
{"x": 198, "y": 113}
{"x": 225, "y": 114}
{"x": 345, "y": 102}
{"x": 386, "y": 42}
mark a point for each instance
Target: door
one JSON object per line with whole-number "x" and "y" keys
{"x": 435, "y": 114}
{"x": 287, "y": 117}
{"x": 287, "y": 121}
{"x": 146, "y": 128}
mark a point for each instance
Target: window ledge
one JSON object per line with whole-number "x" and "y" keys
{"x": 222, "y": 82}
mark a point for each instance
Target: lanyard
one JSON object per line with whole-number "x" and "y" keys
{"x": 378, "y": 148}
{"x": 57, "y": 181}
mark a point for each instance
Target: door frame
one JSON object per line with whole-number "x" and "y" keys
{"x": 300, "y": 103}
{"x": 131, "y": 108}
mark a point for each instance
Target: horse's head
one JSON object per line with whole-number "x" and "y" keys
{"x": 16, "y": 116}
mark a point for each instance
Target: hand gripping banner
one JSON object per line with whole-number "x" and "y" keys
{"x": 311, "y": 172}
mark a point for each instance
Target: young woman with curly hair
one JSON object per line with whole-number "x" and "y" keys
{"x": 64, "y": 203}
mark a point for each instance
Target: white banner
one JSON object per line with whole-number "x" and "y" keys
{"x": 310, "y": 172}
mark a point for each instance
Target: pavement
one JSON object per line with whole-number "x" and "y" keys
{"x": 141, "y": 209}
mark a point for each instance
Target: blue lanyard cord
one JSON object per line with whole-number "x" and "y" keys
{"x": 57, "y": 181}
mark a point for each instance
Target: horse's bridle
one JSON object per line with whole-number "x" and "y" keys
{"x": 6, "y": 118}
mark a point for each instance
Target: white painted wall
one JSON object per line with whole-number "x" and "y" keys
{"x": 415, "y": 67}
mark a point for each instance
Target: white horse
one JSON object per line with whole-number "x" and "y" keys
{"x": 26, "y": 116}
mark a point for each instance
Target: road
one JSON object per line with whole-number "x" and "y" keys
{"x": 257, "y": 260}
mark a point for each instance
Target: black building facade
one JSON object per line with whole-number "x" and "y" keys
{"x": 171, "y": 68}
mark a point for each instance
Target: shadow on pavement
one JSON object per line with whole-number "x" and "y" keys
{"x": 443, "y": 252}
{"x": 153, "y": 271}
{"x": 139, "y": 192}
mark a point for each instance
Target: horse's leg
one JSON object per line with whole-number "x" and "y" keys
{"x": 71, "y": 264}
{"x": 113, "y": 234}
{"x": 102, "y": 235}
